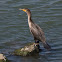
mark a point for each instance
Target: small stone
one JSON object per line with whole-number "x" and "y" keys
{"x": 3, "y": 58}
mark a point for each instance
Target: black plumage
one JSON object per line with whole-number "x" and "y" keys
{"x": 36, "y": 31}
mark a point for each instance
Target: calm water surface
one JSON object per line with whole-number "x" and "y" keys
{"x": 14, "y": 30}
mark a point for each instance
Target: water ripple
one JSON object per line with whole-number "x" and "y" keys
{"x": 14, "y": 30}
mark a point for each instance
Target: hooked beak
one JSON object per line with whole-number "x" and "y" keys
{"x": 23, "y": 10}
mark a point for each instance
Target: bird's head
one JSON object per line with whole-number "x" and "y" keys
{"x": 25, "y": 10}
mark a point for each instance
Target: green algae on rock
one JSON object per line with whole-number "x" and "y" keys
{"x": 30, "y": 49}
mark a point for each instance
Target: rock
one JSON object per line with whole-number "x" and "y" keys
{"x": 30, "y": 49}
{"x": 3, "y": 58}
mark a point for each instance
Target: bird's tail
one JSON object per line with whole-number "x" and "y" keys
{"x": 47, "y": 46}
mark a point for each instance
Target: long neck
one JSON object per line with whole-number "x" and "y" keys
{"x": 29, "y": 18}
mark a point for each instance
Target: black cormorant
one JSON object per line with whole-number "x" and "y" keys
{"x": 36, "y": 31}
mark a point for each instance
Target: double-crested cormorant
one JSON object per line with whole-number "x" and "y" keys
{"x": 36, "y": 31}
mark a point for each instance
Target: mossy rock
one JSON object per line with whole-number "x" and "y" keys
{"x": 30, "y": 49}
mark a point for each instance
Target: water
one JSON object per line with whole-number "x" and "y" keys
{"x": 14, "y": 30}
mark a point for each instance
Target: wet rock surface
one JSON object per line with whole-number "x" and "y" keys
{"x": 30, "y": 49}
{"x": 3, "y": 58}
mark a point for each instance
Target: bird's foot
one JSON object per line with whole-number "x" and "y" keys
{"x": 37, "y": 45}
{"x": 36, "y": 41}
